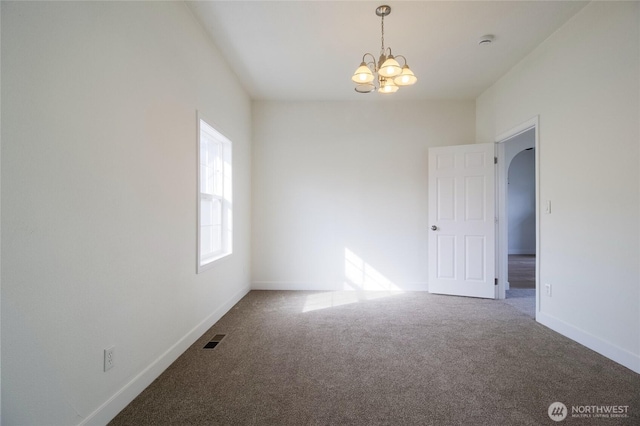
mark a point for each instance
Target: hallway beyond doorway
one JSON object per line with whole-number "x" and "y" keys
{"x": 522, "y": 271}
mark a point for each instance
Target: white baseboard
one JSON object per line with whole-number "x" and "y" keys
{"x": 311, "y": 286}
{"x": 107, "y": 411}
{"x": 603, "y": 347}
{"x": 293, "y": 285}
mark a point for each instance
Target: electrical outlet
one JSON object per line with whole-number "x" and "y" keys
{"x": 548, "y": 287}
{"x": 109, "y": 360}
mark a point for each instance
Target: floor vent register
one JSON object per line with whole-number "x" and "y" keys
{"x": 214, "y": 342}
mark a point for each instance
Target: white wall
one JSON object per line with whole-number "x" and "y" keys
{"x": 522, "y": 203}
{"x": 584, "y": 83}
{"x": 99, "y": 201}
{"x": 340, "y": 188}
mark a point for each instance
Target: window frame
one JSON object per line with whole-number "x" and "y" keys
{"x": 204, "y": 263}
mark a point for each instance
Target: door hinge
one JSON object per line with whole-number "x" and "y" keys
{"x": 495, "y": 281}
{"x": 495, "y": 160}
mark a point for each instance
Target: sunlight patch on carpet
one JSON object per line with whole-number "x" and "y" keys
{"x": 333, "y": 299}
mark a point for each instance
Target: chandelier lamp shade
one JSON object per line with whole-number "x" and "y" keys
{"x": 386, "y": 75}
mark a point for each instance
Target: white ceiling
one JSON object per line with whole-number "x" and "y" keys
{"x": 308, "y": 50}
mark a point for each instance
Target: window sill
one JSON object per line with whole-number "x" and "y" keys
{"x": 211, "y": 262}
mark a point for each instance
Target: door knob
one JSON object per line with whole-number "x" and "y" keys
{"x": 434, "y": 228}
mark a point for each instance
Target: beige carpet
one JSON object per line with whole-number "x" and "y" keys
{"x": 306, "y": 358}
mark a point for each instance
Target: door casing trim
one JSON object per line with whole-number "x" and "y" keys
{"x": 502, "y": 242}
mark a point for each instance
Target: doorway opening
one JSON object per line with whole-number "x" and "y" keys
{"x": 521, "y": 220}
{"x": 517, "y": 257}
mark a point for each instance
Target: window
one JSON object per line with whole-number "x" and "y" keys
{"x": 214, "y": 196}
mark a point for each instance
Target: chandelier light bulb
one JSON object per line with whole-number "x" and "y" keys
{"x": 387, "y": 86}
{"x": 390, "y": 67}
{"x": 363, "y": 74}
{"x": 406, "y": 78}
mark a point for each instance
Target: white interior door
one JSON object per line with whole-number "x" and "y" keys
{"x": 462, "y": 220}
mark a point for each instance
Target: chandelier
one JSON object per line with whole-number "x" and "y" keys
{"x": 386, "y": 71}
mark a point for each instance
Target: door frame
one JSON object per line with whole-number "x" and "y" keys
{"x": 502, "y": 234}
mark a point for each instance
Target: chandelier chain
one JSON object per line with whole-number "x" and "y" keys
{"x": 382, "y": 37}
